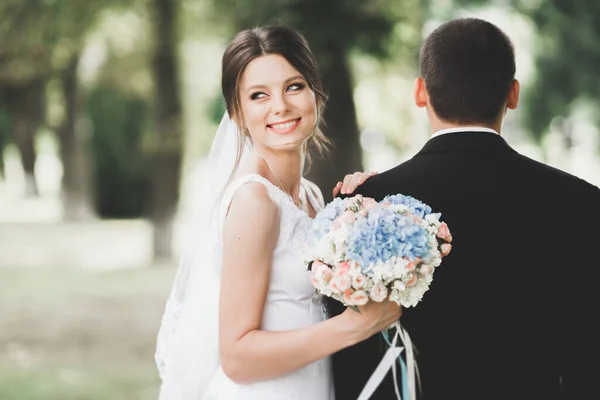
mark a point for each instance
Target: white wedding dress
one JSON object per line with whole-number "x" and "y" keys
{"x": 291, "y": 303}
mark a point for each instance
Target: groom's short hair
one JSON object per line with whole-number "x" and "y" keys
{"x": 468, "y": 66}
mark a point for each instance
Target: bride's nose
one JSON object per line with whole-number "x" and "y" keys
{"x": 279, "y": 105}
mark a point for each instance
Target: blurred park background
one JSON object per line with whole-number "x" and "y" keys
{"x": 107, "y": 108}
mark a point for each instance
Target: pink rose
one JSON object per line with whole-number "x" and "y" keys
{"x": 425, "y": 269}
{"x": 445, "y": 249}
{"x": 378, "y": 292}
{"x": 368, "y": 203}
{"x": 315, "y": 281}
{"x": 348, "y": 296}
{"x": 323, "y": 273}
{"x": 347, "y": 217}
{"x": 359, "y": 281}
{"x": 443, "y": 231}
{"x": 340, "y": 283}
{"x": 358, "y": 298}
{"x": 410, "y": 266}
{"x": 410, "y": 279}
{"x": 343, "y": 267}
{"x": 337, "y": 223}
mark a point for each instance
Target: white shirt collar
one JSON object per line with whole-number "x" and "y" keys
{"x": 463, "y": 129}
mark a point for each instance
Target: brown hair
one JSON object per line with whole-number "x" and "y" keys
{"x": 468, "y": 66}
{"x": 253, "y": 43}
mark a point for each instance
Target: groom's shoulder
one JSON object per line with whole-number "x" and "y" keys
{"x": 540, "y": 172}
{"x": 379, "y": 185}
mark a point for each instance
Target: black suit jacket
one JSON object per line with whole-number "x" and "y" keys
{"x": 513, "y": 312}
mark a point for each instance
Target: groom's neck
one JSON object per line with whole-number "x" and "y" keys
{"x": 438, "y": 125}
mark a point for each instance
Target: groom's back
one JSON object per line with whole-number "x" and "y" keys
{"x": 511, "y": 311}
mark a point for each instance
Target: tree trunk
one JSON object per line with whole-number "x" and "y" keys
{"x": 166, "y": 148}
{"x": 26, "y": 106}
{"x": 341, "y": 125}
{"x": 74, "y": 137}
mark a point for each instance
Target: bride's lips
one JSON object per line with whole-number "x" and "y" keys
{"x": 284, "y": 127}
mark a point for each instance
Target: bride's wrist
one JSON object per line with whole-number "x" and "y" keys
{"x": 349, "y": 332}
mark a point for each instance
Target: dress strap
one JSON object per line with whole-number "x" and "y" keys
{"x": 313, "y": 194}
{"x": 223, "y": 206}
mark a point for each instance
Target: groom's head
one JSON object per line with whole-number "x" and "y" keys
{"x": 467, "y": 73}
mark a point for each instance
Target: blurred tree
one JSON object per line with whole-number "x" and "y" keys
{"x": 4, "y": 131}
{"x": 119, "y": 120}
{"x": 24, "y": 61}
{"x": 334, "y": 29}
{"x": 40, "y": 40}
{"x": 165, "y": 146}
{"x": 26, "y": 106}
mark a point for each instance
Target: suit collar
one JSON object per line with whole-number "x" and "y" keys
{"x": 463, "y": 129}
{"x": 466, "y": 141}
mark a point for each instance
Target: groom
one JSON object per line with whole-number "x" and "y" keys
{"x": 514, "y": 312}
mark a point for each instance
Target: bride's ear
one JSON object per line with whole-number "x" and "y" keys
{"x": 421, "y": 96}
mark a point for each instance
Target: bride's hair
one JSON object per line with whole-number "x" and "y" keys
{"x": 253, "y": 43}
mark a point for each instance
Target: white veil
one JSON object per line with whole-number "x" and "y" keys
{"x": 187, "y": 345}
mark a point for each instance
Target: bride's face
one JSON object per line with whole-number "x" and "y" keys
{"x": 278, "y": 107}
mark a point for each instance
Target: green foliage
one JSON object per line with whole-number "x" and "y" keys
{"x": 5, "y": 129}
{"x": 216, "y": 109}
{"x": 121, "y": 171}
{"x": 365, "y": 25}
{"x": 38, "y": 37}
{"x": 567, "y": 59}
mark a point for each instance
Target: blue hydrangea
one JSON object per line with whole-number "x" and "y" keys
{"x": 415, "y": 206}
{"x": 323, "y": 221}
{"x": 384, "y": 234}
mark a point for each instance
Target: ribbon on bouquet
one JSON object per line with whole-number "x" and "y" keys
{"x": 409, "y": 370}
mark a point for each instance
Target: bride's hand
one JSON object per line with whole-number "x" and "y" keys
{"x": 351, "y": 182}
{"x": 372, "y": 318}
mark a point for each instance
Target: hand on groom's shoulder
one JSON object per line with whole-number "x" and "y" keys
{"x": 357, "y": 183}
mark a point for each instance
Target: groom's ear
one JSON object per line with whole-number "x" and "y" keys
{"x": 513, "y": 95}
{"x": 421, "y": 95}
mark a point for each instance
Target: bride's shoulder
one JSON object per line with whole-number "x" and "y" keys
{"x": 252, "y": 205}
{"x": 253, "y": 195}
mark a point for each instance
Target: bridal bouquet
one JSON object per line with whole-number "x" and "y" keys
{"x": 363, "y": 250}
{"x": 366, "y": 250}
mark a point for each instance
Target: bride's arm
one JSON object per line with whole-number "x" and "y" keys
{"x": 248, "y": 354}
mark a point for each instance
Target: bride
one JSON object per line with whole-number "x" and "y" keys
{"x": 271, "y": 339}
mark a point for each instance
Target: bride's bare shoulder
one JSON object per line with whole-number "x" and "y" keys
{"x": 251, "y": 203}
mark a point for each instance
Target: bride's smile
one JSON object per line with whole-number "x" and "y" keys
{"x": 284, "y": 127}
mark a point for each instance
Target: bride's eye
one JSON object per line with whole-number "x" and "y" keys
{"x": 257, "y": 95}
{"x": 296, "y": 87}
